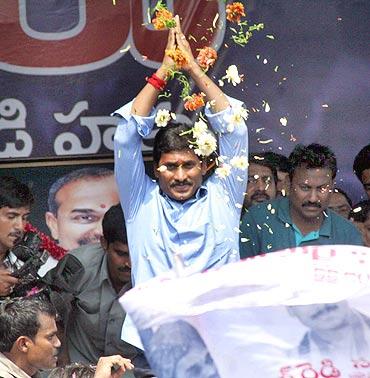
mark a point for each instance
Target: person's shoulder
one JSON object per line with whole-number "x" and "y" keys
{"x": 89, "y": 254}
{"x": 266, "y": 208}
{"x": 341, "y": 222}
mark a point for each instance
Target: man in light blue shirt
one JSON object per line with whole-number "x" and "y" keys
{"x": 181, "y": 217}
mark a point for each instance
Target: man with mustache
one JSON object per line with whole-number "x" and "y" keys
{"x": 262, "y": 179}
{"x": 303, "y": 218}
{"x": 15, "y": 206}
{"x": 181, "y": 221}
{"x": 77, "y": 203}
{"x": 335, "y": 331}
{"x": 28, "y": 337}
{"x": 92, "y": 278}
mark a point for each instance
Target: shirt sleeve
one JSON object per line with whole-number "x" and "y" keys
{"x": 233, "y": 142}
{"x": 129, "y": 166}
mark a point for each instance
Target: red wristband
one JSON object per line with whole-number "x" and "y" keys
{"x": 157, "y": 82}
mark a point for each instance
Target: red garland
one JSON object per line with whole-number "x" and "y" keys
{"x": 47, "y": 243}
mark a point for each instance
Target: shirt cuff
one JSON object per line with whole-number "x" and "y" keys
{"x": 144, "y": 125}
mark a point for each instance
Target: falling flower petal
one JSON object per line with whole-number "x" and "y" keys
{"x": 265, "y": 141}
{"x": 266, "y": 106}
{"x": 284, "y": 121}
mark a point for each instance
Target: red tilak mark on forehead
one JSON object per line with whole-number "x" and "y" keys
{"x": 103, "y": 206}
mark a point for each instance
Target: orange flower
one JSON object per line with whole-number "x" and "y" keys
{"x": 234, "y": 12}
{"x": 163, "y": 19}
{"x": 207, "y": 57}
{"x": 194, "y": 102}
{"x": 178, "y": 56}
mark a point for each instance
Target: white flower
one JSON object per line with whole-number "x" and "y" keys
{"x": 163, "y": 117}
{"x": 232, "y": 75}
{"x": 239, "y": 162}
{"x": 200, "y": 127}
{"x": 223, "y": 171}
{"x": 206, "y": 144}
{"x": 238, "y": 115}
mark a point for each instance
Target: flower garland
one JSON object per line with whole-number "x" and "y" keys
{"x": 163, "y": 18}
{"x": 47, "y": 243}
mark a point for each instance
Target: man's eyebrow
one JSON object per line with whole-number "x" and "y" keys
{"x": 84, "y": 211}
{"x": 13, "y": 212}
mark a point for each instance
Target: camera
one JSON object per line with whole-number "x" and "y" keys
{"x": 32, "y": 256}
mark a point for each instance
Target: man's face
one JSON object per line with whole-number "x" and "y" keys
{"x": 119, "y": 264}
{"x": 180, "y": 174}
{"x": 12, "y": 223}
{"x": 365, "y": 179}
{"x": 43, "y": 350}
{"x": 197, "y": 362}
{"x": 338, "y": 203}
{"x": 323, "y": 317}
{"x": 261, "y": 185}
{"x": 283, "y": 184}
{"x": 82, "y": 205}
{"x": 310, "y": 192}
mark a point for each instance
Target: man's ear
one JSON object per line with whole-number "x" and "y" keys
{"x": 206, "y": 165}
{"x": 22, "y": 344}
{"x": 155, "y": 170}
{"x": 52, "y": 223}
{"x": 104, "y": 243}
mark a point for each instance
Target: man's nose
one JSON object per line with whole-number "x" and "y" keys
{"x": 261, "y": 185}
{"x": 57, "y": 343}
{"x": 313, "y": 196}
{"x": 98, "y": 230}
{"x": 180, "y": 174}
{"x": 19, "y": 223}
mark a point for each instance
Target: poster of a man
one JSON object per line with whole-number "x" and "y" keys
{"x": 176, "y": 350}
{"x": 77, "y": 203}
{"x": 334, "y": 330}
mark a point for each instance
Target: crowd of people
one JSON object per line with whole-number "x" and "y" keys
{"x": 185, "y": 220}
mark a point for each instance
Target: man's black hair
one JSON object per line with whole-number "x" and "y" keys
{"x": 14, "y": 194}
{"x": 114, "y": 228}
{"x": 280, "y": 161}
{"x": 341, "y": 191}
{"x": 362, "y": 161}
{"x": 20, "y": 317}
{"x": 312, "y": 156}
{"x": 169, "y": 139}
{"x": 78, "y": 174}
{"x": 264, "y": 159}
{"x": 360, "y": 212}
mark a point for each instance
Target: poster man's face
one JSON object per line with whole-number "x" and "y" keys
{"x": 323, "y": 317}
{"x": 82, "y": 205}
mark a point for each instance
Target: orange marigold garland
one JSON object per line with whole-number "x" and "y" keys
{"x": 234, "y": 12}
{"x": 48, "y": 244}
{"x": 178, "y": 56}
{"x": 194, "y": 102}
{"x": 163, "y": 17}
{"x": 207, "y": 57}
